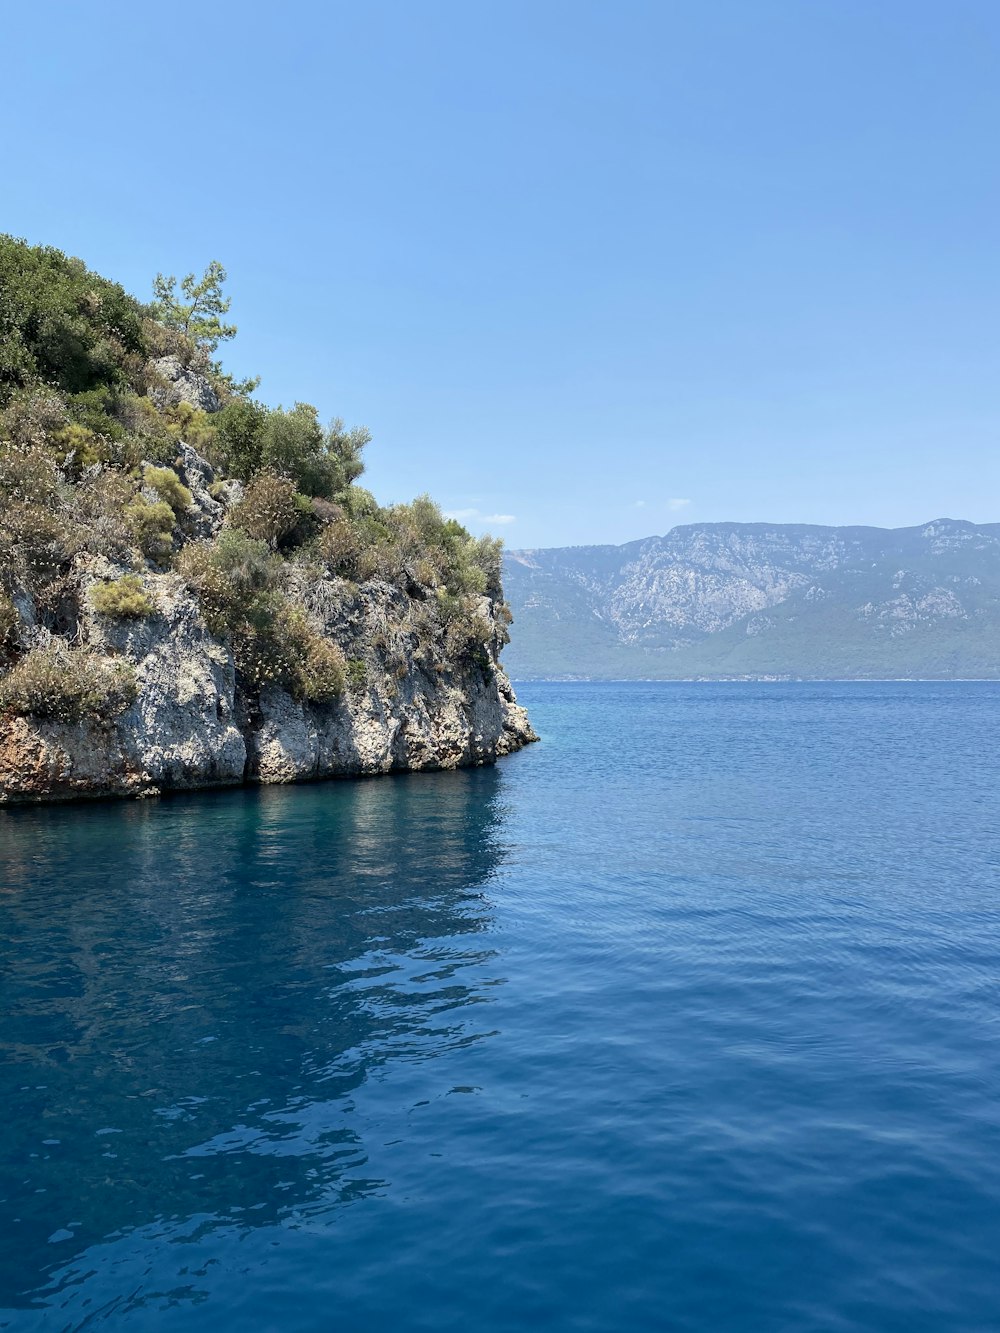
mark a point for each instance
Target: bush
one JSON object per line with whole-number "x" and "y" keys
{"x": 79, "y": 447}
{"x": 192, "y": 425}
{"x": 317, "y": 670}
{"x": 36, "y": 541}
{"x": 124, "y": 598}
{"x": 246, "y": 564}
{"x": 238, "y": 430}
{"x": 28, "y": 475}
{"x": 99, "y": 504}
{"x": 10, "y": 623}
{"x": 357, "y": 674}
{"x": 66, "y": 684}
{"x": 339, "y": 546}
{"x": 62, "y": 325}
{"x": 271, "y": 510}
{"x": 236, "y": 580}
{"x": 169, "y": 487}
{"x": 32, "y": 416}
{"x": 152, "y": 526}
{"x": 250, "y": 438}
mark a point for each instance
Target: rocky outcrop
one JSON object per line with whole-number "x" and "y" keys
{"x": 181, "y": 383}
{"x": 410, "y": 702}
{"x": 407, "y": 707}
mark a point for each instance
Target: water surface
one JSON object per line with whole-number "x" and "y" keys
{"x": 686, "y": 1019}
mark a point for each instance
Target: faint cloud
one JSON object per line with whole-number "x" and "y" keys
{"x": 674, "y": 505}
{"x": 640, "y": 504}
{"x": 476, "y": 516}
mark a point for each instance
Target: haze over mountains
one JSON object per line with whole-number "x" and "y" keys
{"x": 757, "y": 600}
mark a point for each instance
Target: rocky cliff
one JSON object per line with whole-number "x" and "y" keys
{"x": 409, "y": 702}
{"x": 177, "y": 617}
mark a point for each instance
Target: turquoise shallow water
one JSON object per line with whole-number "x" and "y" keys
{"x": 685, "y": 1019}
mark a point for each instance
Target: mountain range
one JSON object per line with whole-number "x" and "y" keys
{"x": 760, "y": 600}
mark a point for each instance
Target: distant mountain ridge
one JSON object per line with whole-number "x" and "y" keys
{"x": 756, "y": 600}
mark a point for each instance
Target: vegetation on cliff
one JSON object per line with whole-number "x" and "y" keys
{"x": 102, "y": 401}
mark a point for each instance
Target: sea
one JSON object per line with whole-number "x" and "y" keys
{"x": 686, "y": 1018}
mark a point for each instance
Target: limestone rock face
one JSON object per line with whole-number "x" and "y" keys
{"x": 411, "y": 703}
{"x": 183, "y": 384}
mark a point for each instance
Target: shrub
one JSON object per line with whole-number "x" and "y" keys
{"x": 36, "y": 541}
{"x": 33, "y": 416}
{"x": 190, "y": 424}
{"x": 169, "y": 487}
{"x": 250, "y": 438}
{"x": 28, "y": 475}
{"x": 247, "y": 564}
{"x": 317, "y": 670}
{"x": 271, "y": 510}
{"x": 340, "y": 545}
{"x": 97, "y": 409}
{"x": 66, "y": 685}
{"x": 235, "y": 581}
{"x": 79, "y": 447}
{"x": 292, "y": 446}
{"x": 10, "y": 623}
{"x": 465, "y": 634}
{"x": 152, "y": 526}
{"x": 61, "y": 324}
{"x": 124, "y": 598}
{"x": 100, "y": 503}
{"x": 357, "y": 674}
{"x": 238, "y": 430}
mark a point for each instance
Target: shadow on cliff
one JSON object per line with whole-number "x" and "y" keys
{"x": 194, "y": 990}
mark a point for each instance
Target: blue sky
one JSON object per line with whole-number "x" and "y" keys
{"x": 585, "y": 269}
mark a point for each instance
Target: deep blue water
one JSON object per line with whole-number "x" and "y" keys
{"x": 685, "y": 1019}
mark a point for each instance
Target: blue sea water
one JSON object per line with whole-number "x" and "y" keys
{"x": 685, "y": 1019}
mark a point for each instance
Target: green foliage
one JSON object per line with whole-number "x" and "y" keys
{"x": 78, "y": 446}
{"x": 250, "y": 438}
{"x": 10, "y": 623}
{"x": 62, "y": 325}
{"x": 32, "y": 417}
{"x": 316, "y": 670}
{"x": 37, "y": 534}
{"x": 237, "y": 580}
{"x": 100, "y": 503}
{"x": 340, "y": 545}
{"x": 357, "y": 674}
{"x": 196, "y": 311}
{"x": 28, "y": 475}
{"x": 152, "y": 526}
{"x": 271, "y": 510}
{"x": 169, "y": 487}
{"x": 123, "y": 599}
{"x": 83, "y": 433}
{"x": 239, "y": 428}
{"x": 190, "y": 424}
{"x": 65, "y": 684}
{"x": 246, "y": 564}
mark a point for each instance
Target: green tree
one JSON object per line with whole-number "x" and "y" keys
{"x": 197, "y": 311}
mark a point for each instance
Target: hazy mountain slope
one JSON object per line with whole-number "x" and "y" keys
{"x": 754, "y": 599}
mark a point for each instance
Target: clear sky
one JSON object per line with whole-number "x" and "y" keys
{"x": 586, "y": 269}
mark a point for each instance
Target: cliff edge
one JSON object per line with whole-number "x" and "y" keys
{"x": 194, "y": 592}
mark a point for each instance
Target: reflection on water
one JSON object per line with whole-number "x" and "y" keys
{"x": 193, "y": 993}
